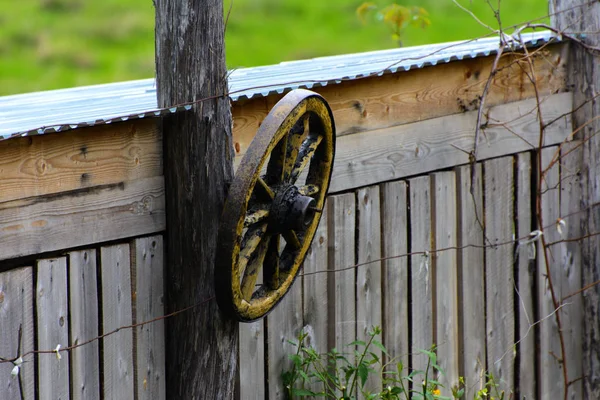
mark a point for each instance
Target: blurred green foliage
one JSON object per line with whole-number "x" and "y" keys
{"x": 49, "y": 44}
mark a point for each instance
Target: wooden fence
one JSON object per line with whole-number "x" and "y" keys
{"x": 73, "y": 299}
{"x": 404, "y": 243}
{"x": 411, "y": 257}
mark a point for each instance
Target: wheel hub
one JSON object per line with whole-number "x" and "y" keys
{"x": 291, "y": 210}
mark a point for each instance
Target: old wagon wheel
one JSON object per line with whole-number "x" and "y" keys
{"x": 274, "y": 206}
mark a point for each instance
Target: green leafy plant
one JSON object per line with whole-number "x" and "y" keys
{"x": 343, "y": 375}
{"x": 397, "y": 17}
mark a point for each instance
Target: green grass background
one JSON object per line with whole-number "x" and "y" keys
{"x": 49, "y": 44}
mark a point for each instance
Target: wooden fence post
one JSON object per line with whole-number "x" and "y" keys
{"x": 201, "y": 344}
{"x": 581, "y": 19}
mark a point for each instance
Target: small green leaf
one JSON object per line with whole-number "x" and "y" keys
{"x": 374, "y": 358}
{"x": 357, "y": 343}
{"x": 396, "y": 390}
{"x": 302, "y": 392}
{"x": 380, "y": 346}
{"x": 363, "y": 373}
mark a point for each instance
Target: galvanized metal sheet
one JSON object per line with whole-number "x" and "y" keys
{"x": 65, "y": 109}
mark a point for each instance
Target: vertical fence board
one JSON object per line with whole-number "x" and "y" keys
{"x": 446, "y": 276}
{"x": 499, "y": 279}
{"x": 117, "y": 312}
{"x": 83, "y": 292}
{"x": 471, "y": 278}
{"x": 551, "y": 378}
{"x": 316, "y": 304}
{"x": 150, "y": 338}
{"x": 570, "y": 262}
{"x": 421, "y": 272}
{"x": 525, "y": 282}
{"x": 16, "y": 311}
{"x": 251, "y": 367}
{"x": 252, "y": 358}
{"x": 52, "y": 328}
{"x": 368, "y": 277}
{"x": 341, "y": 221}
{"x": 284, "y": 323}
{"x": 395, "y": 270}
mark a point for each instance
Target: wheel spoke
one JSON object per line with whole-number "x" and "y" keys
{"x": 252, "y": 270}
{"x": 292, "y": 239}
{"x": 271, "y": 264}
{"x": 263, "y": 189}
{"x": 308, "y": 190}
{"x": 294, "y": 142}
{"x": 277, "y": 160}
{"x": 307, "y": 150}
{"x": 249, "y": 245}
{"x": 256, "y": 215}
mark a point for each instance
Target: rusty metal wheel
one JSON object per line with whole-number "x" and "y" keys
{"x": 274, "y": 206}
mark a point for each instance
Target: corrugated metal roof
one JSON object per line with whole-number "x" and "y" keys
{"x": 60, "y": 110}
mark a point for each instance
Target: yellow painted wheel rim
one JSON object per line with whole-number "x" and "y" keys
{"x": 294, "y": 146}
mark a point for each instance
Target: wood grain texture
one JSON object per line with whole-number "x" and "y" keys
{"x": 16, "y": 313}
{"x": 315, "y": 299}
{"x": 82, "y": 158}
{"x": 551, "y": 264}
{"x": 443, "y": 188}
{"x": 583, "y": 16}
{"x": 394, "y": 237}
{"x": 71, "y": 219}
{"x": 341, "y": 229}
{"x": 52, "y": 328}
{"x": 150, "y": 338}
{"x": 381, "y": 102}
{"x": 368, "y": 277}
{"x": 525, "y": 297}
{"x": 471, "y": 268}
{"x": 499, "y": 276}
{"x": 421, "y": 271}
{"x": 393, "y": 153}
{"x": 284, "y": 323}
{"x": 117, "y": 349}
{"x": 83, "y": 292}
{"x": 198, "y": 154}
{"x": 251, "y": 364}
{"x": 568, "y": 262}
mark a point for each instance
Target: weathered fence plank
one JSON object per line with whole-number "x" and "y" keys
{"x": 525, "y": 294}
{"x": 284, "y": 324}
{"x": 421, "y": 271}
{"x": 83, "y": 309}
{"x": 117, "y": 355}
{"x": 39, "y": 165}
{"x": 368, "y": 277}
{"x": 341, "y": 230}
{"x": 551, "y": 378}
{"x": 149, "y": 338}
{"x": 471, "y": 269}
{"x": 386, "y": 154}
{"x": 315, "y": 301}
{"x": 443, "y": 187}
{"x": 394, "y": 239}
{"x": 16, "y": 314}
{"x": 499, "y": 278}
{"x": 78, "y": 218}
{"x": 395, "y": 99}
{"x": 569, "y": 263}
{"x": 251, "y": 364}
{"x": 52, "y": 328}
